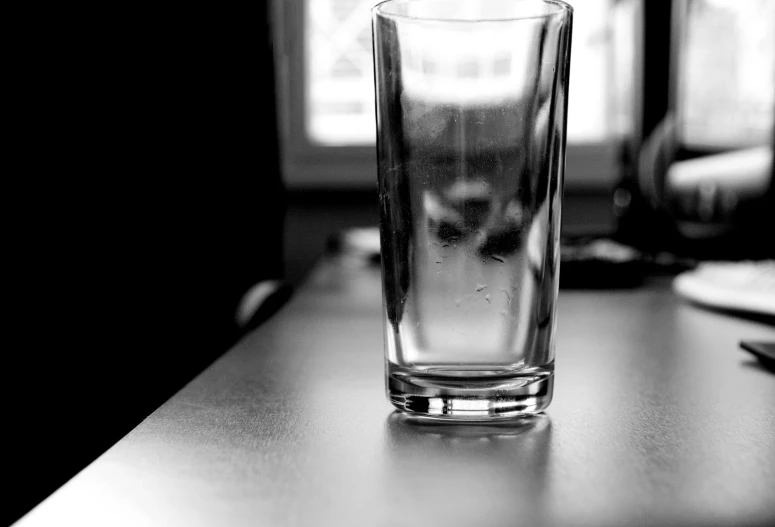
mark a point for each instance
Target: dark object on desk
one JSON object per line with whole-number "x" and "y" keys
{"x": 599, "y": 263}
{"x": 764, "y": 351}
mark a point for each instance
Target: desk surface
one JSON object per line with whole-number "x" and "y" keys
{"x": 658, "y": 418}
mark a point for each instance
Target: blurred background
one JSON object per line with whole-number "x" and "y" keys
{"x": 656, "y": 89}
{"x": 178, "y": 173}
{"x": 327, "y": 114}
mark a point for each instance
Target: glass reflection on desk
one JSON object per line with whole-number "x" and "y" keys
{"x": 457, "y": 466}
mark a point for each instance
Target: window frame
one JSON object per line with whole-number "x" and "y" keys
{"x": 306, "y": 165}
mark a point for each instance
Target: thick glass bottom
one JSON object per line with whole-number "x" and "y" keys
{"x": 469, "y": 395}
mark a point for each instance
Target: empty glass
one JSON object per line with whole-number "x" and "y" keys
{"x": 471, "y": 104}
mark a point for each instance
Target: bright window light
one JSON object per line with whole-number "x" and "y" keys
{"x": 339, "y": 109}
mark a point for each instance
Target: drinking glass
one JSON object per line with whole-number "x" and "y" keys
{"x": 471, "y": 99}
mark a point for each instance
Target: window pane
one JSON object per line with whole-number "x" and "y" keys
{"x": 339, "y": 109}
{"x": 725, "y": 85}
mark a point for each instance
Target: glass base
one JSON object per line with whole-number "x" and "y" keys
{"x": 470, "y": 395}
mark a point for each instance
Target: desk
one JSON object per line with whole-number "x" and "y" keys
{"x": 658, "y": 418}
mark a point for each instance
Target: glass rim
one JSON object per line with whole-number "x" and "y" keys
{"x": 560, "y": 7}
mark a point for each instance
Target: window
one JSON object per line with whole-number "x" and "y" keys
{"x": 719, "y": 110}
{"x": 327, "y": 93}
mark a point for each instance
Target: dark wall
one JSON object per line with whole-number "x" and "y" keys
{"x": 148, "y": 200}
